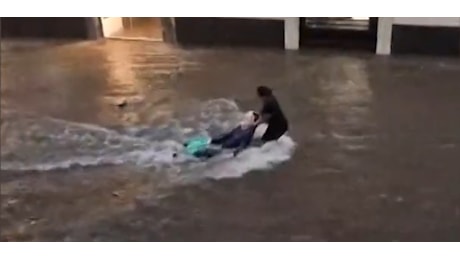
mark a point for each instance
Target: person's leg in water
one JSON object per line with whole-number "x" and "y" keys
{"x": 211, "y": 152}
{"x": 207, "y": 153}
{"x": 221, "y": 139}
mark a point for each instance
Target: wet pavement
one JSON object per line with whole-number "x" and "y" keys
{"x": 376, "y": 158}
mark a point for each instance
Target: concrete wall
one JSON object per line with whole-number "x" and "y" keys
{"x": 46, "y": 27}
{"x": 292, "y": 33}
{"x": 263, "y": 18}
{"x": 428, "y": 21}
{"x": 387, "y": 38}
{"x": 437, "y": 35}
{"x": 384, "y": 33}
{"x": 291, "y": 30}
{"x": 426, "y": 35}
{"x": 230, "y": 31}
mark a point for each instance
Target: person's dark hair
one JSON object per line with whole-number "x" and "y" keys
{"x": 264, "y": 91}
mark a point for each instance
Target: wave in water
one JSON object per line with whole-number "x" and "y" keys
{"x": 42, "y": 144}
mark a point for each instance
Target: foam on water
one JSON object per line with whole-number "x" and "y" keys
{"x": 38, "y": 143}
{"x": 255, "y": 158}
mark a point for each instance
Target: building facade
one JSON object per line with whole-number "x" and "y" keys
{"x": 382, "y": 35}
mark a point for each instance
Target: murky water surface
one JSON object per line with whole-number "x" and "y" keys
{"x": 372, "y": 152}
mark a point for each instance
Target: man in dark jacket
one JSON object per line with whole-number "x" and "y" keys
{"x": 271, "y": 114}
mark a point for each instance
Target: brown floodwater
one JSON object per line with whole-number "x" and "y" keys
{"x": 372, "y": 153}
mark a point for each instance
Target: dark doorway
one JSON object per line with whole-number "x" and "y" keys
{"x": 339, "y": 32}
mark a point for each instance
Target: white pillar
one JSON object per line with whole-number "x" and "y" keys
{"x": 291, "y": 33}
{"x": 384, "y": 31}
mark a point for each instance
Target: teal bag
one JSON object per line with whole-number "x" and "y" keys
{"x": 196, "y": 144}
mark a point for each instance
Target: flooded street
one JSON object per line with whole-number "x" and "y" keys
{"x": 88, "y": 130}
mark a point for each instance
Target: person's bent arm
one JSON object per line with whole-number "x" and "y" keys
{"x": 266, "y": 112}
{"x": 264, "y": 118}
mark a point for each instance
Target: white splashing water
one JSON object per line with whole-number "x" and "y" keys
{"x": 254, "y": 158}
{"x": 42, "y": 144}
